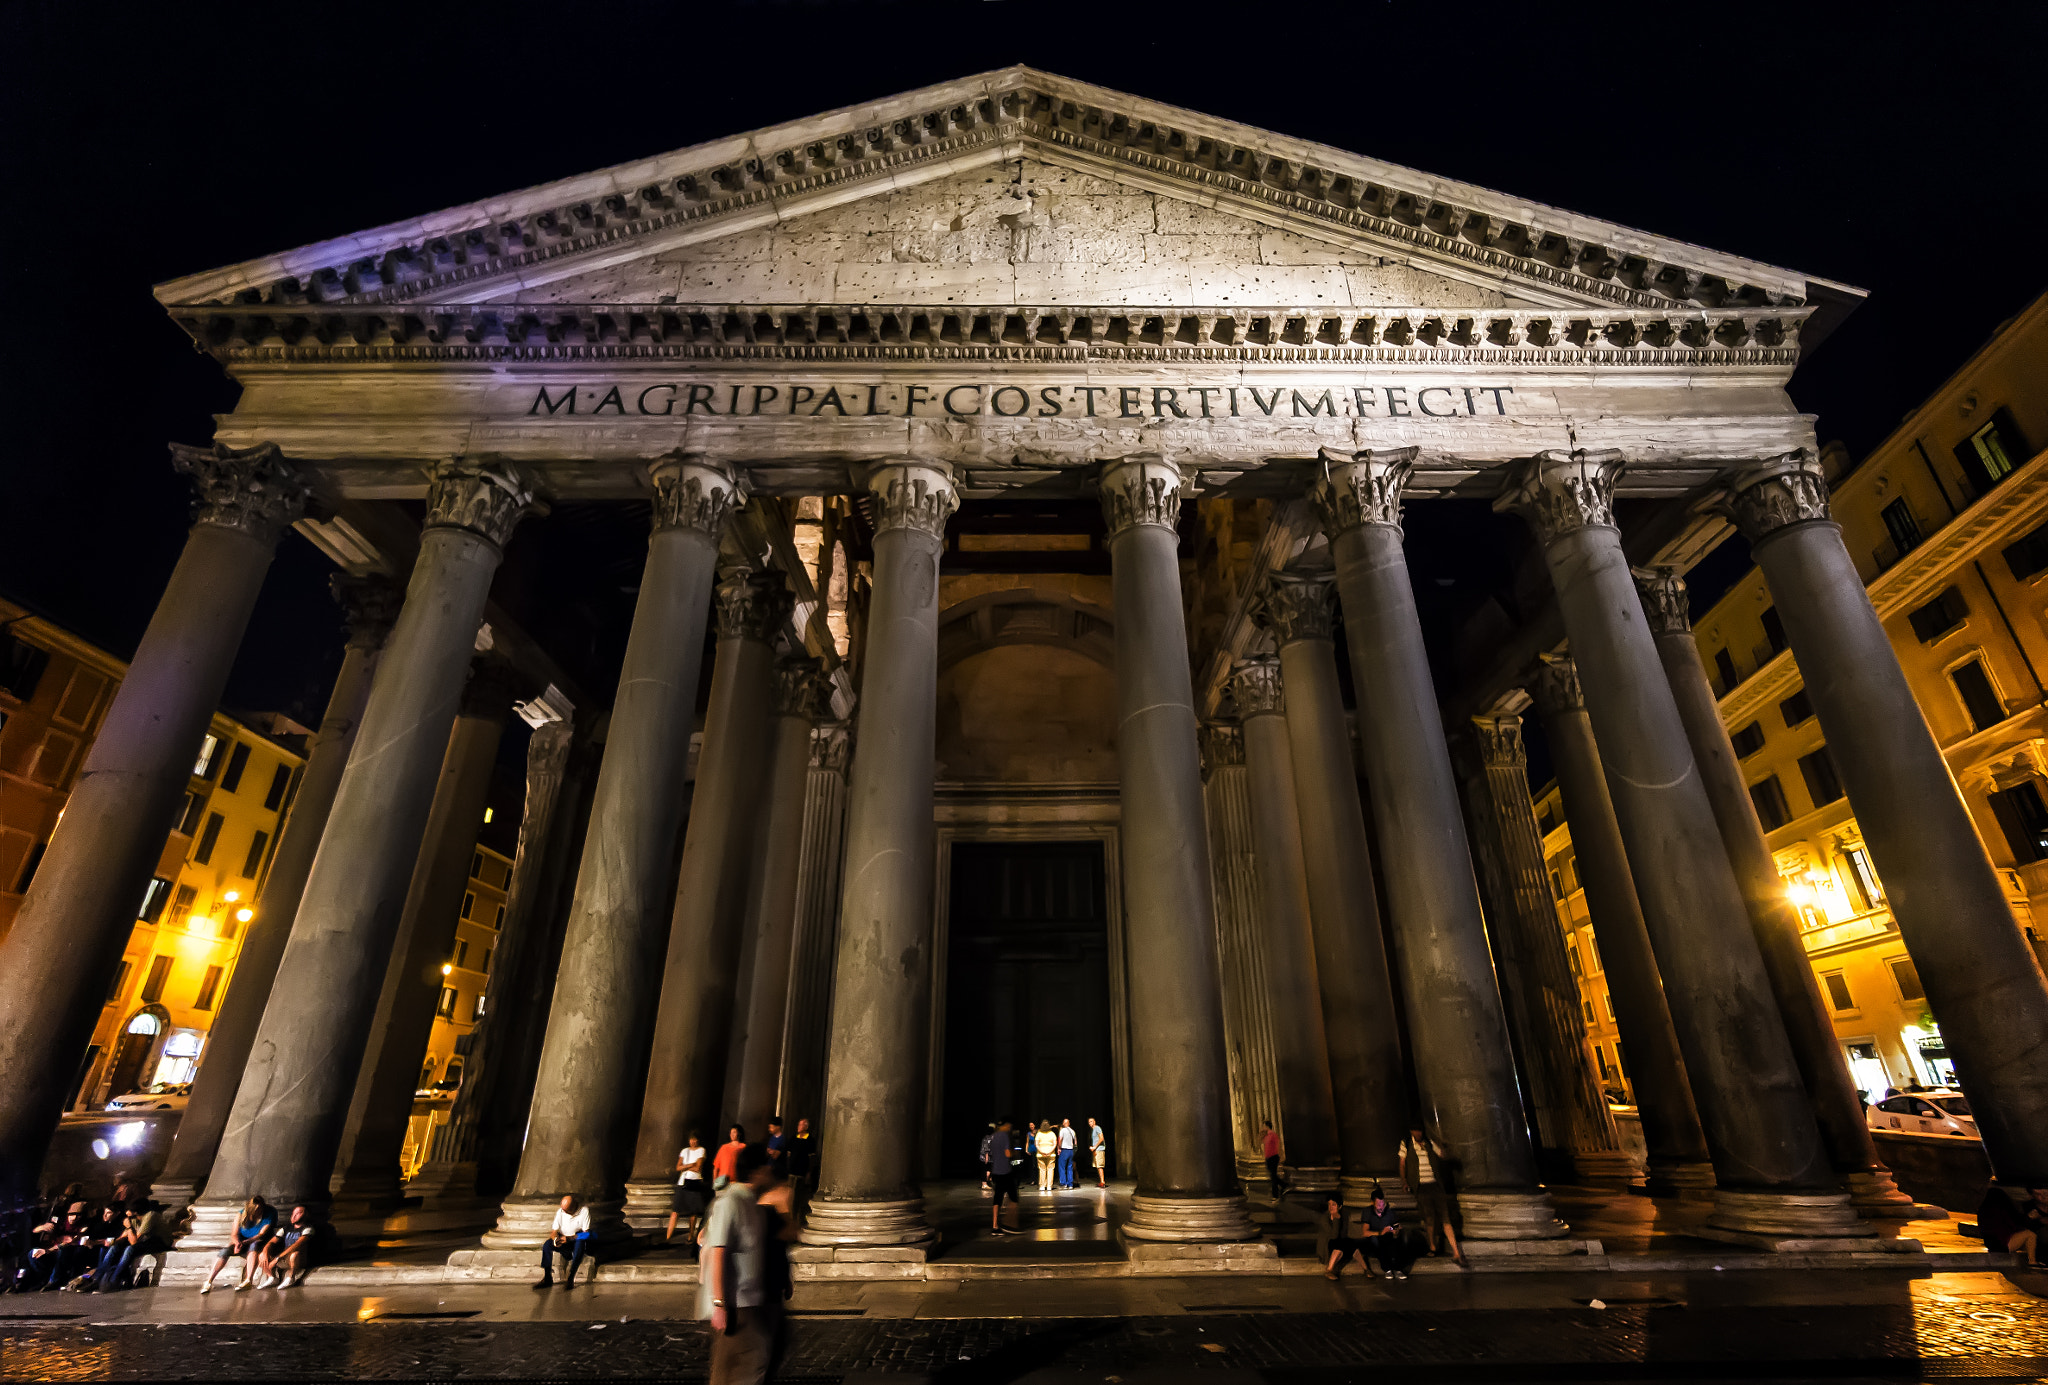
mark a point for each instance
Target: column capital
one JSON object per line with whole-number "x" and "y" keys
{"x": 251, "y": 490}
{"x": 831, "y": 746}
{"x": 751, "y": 604}
{"x": 1360, "y": 487}
{"x": 1560, "y": 493}
{"x": 491, "y": 687}
{"x": 1255, "y": 683}
{"x": 1665, "y": 600}
{"x": 1298, "y": 606}
{"x": 1499, "y": 736}
{"x": 797, "y": 680}
{"x": 1555, "y": 685}
{"x": 369, "y": 605}
{"x": 1786, "y": 490}
{"x": 1144, "y": 488}
{"x": 692, "y": 492}
{"x": 1222, "y": 745}
{"x": 911, "y": 494}
{"x": 486, "y": 498}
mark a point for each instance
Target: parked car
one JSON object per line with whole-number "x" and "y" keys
{"x": 160, "y": 1096}
{"x": 1936, "y": 1111}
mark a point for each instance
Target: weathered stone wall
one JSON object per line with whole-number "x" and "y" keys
{"x": 1028, "y": 714}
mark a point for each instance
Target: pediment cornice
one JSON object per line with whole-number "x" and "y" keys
{"x": 485, "y": 249}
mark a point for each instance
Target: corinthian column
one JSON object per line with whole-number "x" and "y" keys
{"x": 58, "y": 960}
{"x": 1307, "y": 1115}
{"x": 802, "y": 1083}
{"x": 1573, "y": 1125}
{"x": 594, "y": 1052}
{"x": 868, "y": 1196}
{"x": 1983, "y": 982}
{"x": 1463, "y": 1059}
{"x": 1774, "y": 1182}
{"x": 287, "y": 1121}
{"x": 1180, "y": 1091}
{"x": 693, "y": 1024}
{"x": 1672, "y": 1138}
{"x": 1360, "y": 1022}
{"x": 370, "y": 604}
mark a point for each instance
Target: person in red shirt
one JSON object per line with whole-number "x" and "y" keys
{"x": 1270, "y": 1147}
{"x": 724, "y": 1164}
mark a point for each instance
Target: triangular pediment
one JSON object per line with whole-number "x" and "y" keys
{"x": 860, "y": 206}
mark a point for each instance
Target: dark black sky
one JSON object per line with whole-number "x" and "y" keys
{"x": 1893, "y": 147}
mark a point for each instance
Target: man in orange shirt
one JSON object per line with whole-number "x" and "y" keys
{"x": 724, "y": 1165}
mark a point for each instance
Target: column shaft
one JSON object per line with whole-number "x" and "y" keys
{"x": 59, "y": 958}
{"x": 1983, "y": 982}
{"x": 801, "y": 1085}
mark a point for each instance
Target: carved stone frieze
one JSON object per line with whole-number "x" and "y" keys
{"x": 1298, "y": 606}
{"x": 751, "y": 605}
{"x": 1360, "y": 488}
{"x": 1222, "y": 745}
{"x": 1500, "y": 741}
{"x": 915, "y": 495}
{"x": 1255, "y": 685}
{"x": 1666, "y": 601}
{"x": 1140, "y": 490}
{"x": 1560, "y": 493}
{"x": 486, "y": 498}
{"x": 369, "y": 606}
{"x": 692, "y": 493}
{"x": 798, "y": 678}
{"x": 252, "y": 490}
{"x": 831, "y": 746}
{"x": 1555, "y": 686}
{"x": 1782, "y": 492}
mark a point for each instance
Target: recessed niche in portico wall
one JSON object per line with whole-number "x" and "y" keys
{"x": 1027, "y": 713}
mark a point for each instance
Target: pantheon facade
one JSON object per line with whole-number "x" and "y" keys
{"x": 1025, "y": 473}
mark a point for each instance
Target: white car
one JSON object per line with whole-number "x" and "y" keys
{"x": 163, "y": 1096}
{"x": 1936, "y": 1111}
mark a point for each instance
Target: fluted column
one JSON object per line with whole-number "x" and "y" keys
{"x": 1240, "y": 954}
{"x": 593, "y": 1058}
{"x": 1463, "y": 1060}
{"x": 1180, "y": 1092}
{"x": 1574, "y": 1128}
{"x": 58, "y": 960}
{"x": 370, "y": 605}
{"x": 771, "y": 898}
{"x": 1300, "y": 1053}
{"x": 1984, "y": 984}
{"x": 801, "y": 1086}
{"x": 693, "y": 1026}
{"x": 1773, "y": 1180}
{"x": 1675, "y": 1145}
{"x": 1360, "y": 1022}
{"x": 868, "y": 1196}
{"x": 367, "y": 1169}
{"x": 287, "y": 1121}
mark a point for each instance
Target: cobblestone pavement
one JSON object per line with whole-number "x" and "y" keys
{"x": 1979, "y": 1327}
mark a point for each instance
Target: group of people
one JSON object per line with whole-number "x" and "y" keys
{"x": 793, "y": 1157}
{"x": 276, "y": 1253}
{"x": 1379, "y": 1233}
{"x": 1054, "y": 1146}
{"x": 75, "y": 1242}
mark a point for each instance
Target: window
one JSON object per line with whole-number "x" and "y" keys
{"x": 153, "y": 900}
{"x": 478, "y": 1008}
{"x": 498, "y": 919}
{"x": 461, "y": 954}
{"x": 21, "y": 666}
{"x": 1600, "y": 1057}
{"x": 487, "y": 962}
{"x": 120, "y": 980}
{"x": 1823, "y": 785}
{"x": 1593, "y": 945}
{"x": 208, "y": 839}
{"x": 280, "y": 780}
{"x": 2029, "y": 554}
{"x": 195, "y": 809}
{"x": 446, "y": 1008}
{"x": 153, "y": 984}
{"x": 1990, "y": 454}
{"x": 1838, "y": 990}
{"x": 208, "y": 986}
{"x": 1973, "y": 685}
{"x": 1774, "y": 630}
{"x": 28, "y": 867}
{"x": 476, "y": 865}
{"x": 2024, "y": 819}
{"x": 1900, "y": 524}
{"x": 1724, "y": 664}
{"x": 1607, "y": 1000}
{"x": 468, "y": 903}
{"x": 1572, "y": 949}
{"x": 1796, "y": 708}
{"x": 1557, "y": 889}
{"x": 1620, "y": 1059}
{"x": 1939, "y": 616}
{"x": 1863, "y": 886}
{"x": 209, "y": 758}
{"x": 1587, "y": 1006}
{"x": 1769, "y": 798}
{"x": 1908, "y": 977}
{"x": 181, "y": 903}
{"x": 1546, "y": 821}
{"x": 254, "y": 862}
{"x": 231, "y": 779}
{"x": 1748, "y": 741}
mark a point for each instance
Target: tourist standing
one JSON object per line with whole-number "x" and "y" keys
{"x": 1048, "y": 1148}
{"x": 1270, "y": 1147}
{"x": 691, "y": 1197}
{"x": 732, "y": 1285}
{"x": 803, "y": 1153}
{"x": 778, "y": 1148}
{"x": 1068, "y": 1143}
{"x": 1002, "y": 1176}
{"x": 1098, "y": 1149}
{"x": 723, "y": 1163}
{"x": 1422, "y": 1162}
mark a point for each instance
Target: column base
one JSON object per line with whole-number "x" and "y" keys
{"x": 1310, "y": 1178}
{"x": 648, "y": 1201}
{"x": 1693, "y": 1181}
{"x": 860, "y": 1229}
{"x": 1874, "y": 1195}
{"x": 175, "y": 1196}
{"x": 1188, "y": 1220}
{"x": 1509, "y": 1217}
{"x": 1605, "y": 1166}
{"x": 1791, "y": 1222}
{"x": 523, "y": 1223}
{"x": 444, "y": 1178}
{"x": 1356, "y": 1190}
{"x": 355, "y": 1192}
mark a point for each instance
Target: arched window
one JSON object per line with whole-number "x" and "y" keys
{"x": 143, "y": 1023}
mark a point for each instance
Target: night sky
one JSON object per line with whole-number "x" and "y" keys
{"x": 1900, "y": 152}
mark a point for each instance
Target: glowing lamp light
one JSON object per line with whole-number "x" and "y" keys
{"x": 447, "y": 969}
{"x": 487, "y": 815}
{"x": 197, "y": 920}
{"x": 1800, "y": 893}
{"x": 127, "y": 1136}
{"x": 232, "y": 895}
{"x": 244, "y": 915}
{"x": 100, "y": 1149}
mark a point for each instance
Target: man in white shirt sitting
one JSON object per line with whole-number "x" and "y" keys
{"x": 568, "y": 1237}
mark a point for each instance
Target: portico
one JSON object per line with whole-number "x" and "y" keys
{"x": 1107, "y": 416}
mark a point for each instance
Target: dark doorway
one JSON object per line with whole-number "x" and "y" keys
{"x": 1027, "y": 994}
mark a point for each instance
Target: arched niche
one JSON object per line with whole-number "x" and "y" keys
{"x": 1027, "y": 690}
